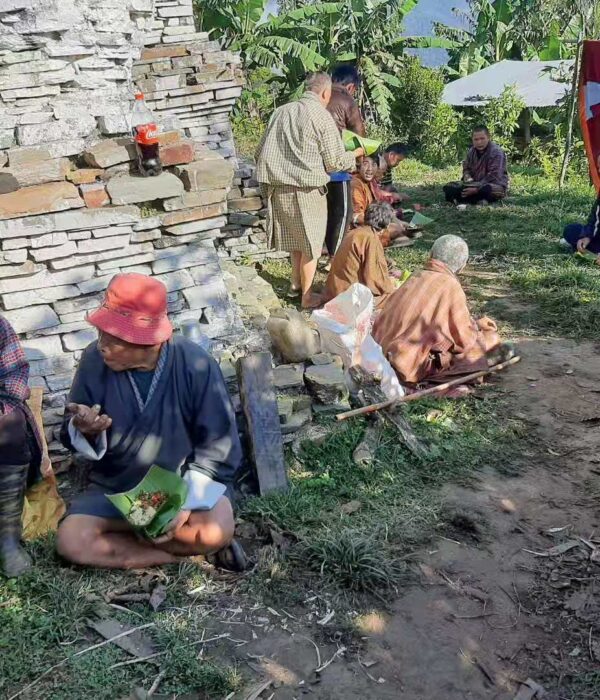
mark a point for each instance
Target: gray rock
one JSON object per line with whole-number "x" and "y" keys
{"x": 288, "y": 376}
{"x": 32, "y": 319}
{"x": 296, "y": 421}
{"x": 129, "y": 189}
{"x": 326, "y": 383}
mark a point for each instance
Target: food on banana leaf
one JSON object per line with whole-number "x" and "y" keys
{"x": 145, "y": 507}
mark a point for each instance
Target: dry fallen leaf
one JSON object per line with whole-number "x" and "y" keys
{"x": 351, "y": 507}
{"x": 158, "y": 597}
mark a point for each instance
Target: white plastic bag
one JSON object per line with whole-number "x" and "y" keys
{"x": 344, "y": 325}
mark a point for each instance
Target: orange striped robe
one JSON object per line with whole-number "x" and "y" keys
{"x": 427, "y": 332}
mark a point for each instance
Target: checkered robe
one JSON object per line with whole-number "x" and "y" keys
{"x": 301, "y": 145}
{"x": 14, "y": 374}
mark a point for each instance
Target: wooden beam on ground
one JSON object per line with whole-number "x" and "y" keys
{"x": 372, "y": 392}
{"x": 259, "y": 403}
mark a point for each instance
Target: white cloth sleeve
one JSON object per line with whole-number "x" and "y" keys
{"x": 84, "y": 447}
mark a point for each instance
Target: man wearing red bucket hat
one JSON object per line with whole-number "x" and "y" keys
{"x": 141, "y": 397}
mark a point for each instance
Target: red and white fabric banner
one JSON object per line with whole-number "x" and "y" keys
{"x": 589, "y": 105}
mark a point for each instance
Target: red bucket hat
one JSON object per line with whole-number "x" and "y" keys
{"x": 134, "y": 310}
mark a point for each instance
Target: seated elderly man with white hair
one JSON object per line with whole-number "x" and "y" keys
{"x": 426, "y": 330}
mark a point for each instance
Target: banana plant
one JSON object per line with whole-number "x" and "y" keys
{"x": 311, "y": 35}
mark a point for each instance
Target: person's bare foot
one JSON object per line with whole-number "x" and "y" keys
{"x": 312, "y": 301}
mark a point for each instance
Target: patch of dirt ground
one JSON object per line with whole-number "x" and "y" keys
{"x": 488, "y": 611}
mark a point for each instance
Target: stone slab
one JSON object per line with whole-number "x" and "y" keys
{"x": 43, "y": 278}
{"x": 31, "y": 319}
{"x": 129, "y": 189}
{"x": 39, "y": 199}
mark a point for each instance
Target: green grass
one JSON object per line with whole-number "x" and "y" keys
{"x": 400, "y": 497}
{"x": 536, "y": 289}
{"x": 43, "y": 619}
{"x": 546, "y": 291}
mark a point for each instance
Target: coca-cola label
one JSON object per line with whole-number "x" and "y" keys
{"x": 146, "y": 134}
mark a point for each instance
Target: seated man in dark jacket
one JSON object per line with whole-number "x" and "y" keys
{"x": 485, "y": 175}
{"x": 142, "y": 397}
{"x": 346, "y": 115}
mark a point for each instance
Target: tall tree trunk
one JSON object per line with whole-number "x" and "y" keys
{"x": 572, "y": 112}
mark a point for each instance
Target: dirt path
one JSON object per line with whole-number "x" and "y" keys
{"x": 486, "y": 613}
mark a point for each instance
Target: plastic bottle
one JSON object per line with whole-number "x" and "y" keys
{"x": 145, "y": 135}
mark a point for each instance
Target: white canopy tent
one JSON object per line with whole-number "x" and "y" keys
{"x": 535, "y": 81}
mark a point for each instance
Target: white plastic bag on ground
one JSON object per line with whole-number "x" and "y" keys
{"x": 344, "y": 325}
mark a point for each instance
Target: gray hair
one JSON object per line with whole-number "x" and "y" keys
{"x": 451, "y": 250}
{"x": 317, "y": 82}
{"x": 379, "y": 215}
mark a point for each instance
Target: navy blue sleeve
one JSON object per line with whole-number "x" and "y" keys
{"x": 87, "y": 387}
{"x": 217, "y": 449}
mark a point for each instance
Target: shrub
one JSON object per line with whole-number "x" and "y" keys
{"x": 441, "y": 144}
{"x": 416, "y": 100}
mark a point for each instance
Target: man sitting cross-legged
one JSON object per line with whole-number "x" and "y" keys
{"x": 143, "y": 397}
{"x": 426, "y": 330}
{"x": 360, "y": 258}
{"x": 485, "y": 175}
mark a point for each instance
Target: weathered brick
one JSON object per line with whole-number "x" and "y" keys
{"x": 54, "y": 252}
{"x": 31, "y": 319}
{"x": 17, "y": 300}
{"x": 43, "y": 279}
{"x": 13, "y": 257}
{"x": 128, "y": 189}
{"x": 41, "y": 348}
{"x": 190, "y": 199}
{"x": 110, "y": 152}
{"x": 40, "y": 171}
{"x": 79, "y": 339}
{"x": 207, "y": 174}
{"x": 75, "y": 260}
{"x": 206, "y": 295}
{"x": 49, "y": 239}
{"x": 56, "y": 382}
{"x": 197, "y": 226}
{"x": 143, "y": 236}
{"x": 94, "y": 218}
{"x": 193, "y": 255}
{"x": 173, "y": 281}
{"x": 163, "y": 52}
{"x": 15, "y": 243}
{"x": 95, "y": 245}
{"x": 94, "y": 195}
{"x": 51, "y": 365}
{"x": 111, "y": 231}
{"x": 39, "y": 199}
{"x": 25, "y": 270}
{"x": 245, "y": 204}
{"x": 177, "y": 154}
{"x": 82, "y": 304}
{"x": 86, "y": 176}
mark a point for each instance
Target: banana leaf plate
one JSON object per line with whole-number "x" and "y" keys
{"x": 157, "y": 479}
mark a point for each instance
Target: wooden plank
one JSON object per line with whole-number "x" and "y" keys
{"x": 373, "y": 393}
{"x": 259, "y": 403}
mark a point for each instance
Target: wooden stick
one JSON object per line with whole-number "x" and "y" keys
{"x": 427, "y": 392}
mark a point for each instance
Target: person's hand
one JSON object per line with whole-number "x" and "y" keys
{"x": 359, "y": 152}
{"x": 178, "y": 521}
{"x": 583, "y": 243}
{"x": 397, "y": 229}
{"x": 89, "y": 421}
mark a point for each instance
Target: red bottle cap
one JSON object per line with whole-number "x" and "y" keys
{"x": 139, "y": 95}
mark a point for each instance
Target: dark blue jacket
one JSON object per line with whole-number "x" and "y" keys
{"x": 187, "y": 423}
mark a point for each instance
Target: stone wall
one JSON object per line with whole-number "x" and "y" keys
{"x": 73, "y": 208}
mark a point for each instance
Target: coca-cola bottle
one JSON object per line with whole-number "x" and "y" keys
{"x": 145, "y": 135}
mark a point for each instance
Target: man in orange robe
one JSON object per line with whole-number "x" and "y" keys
{"x": 426, "y": 330}
{"x": 360, "y": 258}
